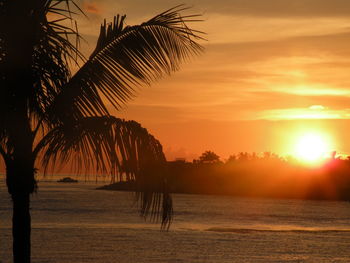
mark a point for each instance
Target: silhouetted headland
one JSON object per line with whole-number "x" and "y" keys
{"x": 250, "y": 175}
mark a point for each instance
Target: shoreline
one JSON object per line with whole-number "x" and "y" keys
{"x": 130, "y": 187}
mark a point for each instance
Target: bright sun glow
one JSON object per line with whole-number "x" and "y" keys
{"x": 312, "y": 147}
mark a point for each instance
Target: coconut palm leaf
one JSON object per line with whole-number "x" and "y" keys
{"x": 54, "y": 52}
{"x": 126, "y": 57}
{"x": 103, "y": 144}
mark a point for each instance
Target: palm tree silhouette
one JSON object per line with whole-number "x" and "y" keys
{"x": 49, "y": 115}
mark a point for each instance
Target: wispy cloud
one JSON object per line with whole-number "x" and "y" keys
{"x": 91, "y": 7}
{"x": 313, "y": 112}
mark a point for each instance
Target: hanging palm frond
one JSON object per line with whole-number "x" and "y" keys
{"x": 104, "y": 144}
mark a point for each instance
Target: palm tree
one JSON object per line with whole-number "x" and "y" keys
{"x": 49, "y": 116}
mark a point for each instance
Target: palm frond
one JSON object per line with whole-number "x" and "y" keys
{"x": 110, "y": 144}
{"x": 53, "y": 54}
{"x": 127, "y": 57}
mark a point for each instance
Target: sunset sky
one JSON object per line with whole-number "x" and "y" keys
{"x": 271, "y": 70}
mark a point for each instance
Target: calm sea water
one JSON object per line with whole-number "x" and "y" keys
{"x": 75, "y": 223}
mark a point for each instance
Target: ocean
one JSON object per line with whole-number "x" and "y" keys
{"x": 73, "y": 223}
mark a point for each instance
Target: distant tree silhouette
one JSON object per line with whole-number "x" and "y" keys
{"x": 254, "y": 156}
{"x": 209, "y": 157}
{"x": 243, "y": 156}
{"x": 264, "y": 175}
{"x": 48, "y": 112}
{"x": 231, "y": 159}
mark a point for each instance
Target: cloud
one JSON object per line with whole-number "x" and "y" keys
{"x": 304, "y": 113}
{"x": 92, "y": 8}
{"x": 264, "y": 8}
{"x": 316, "y": 107}
{"x": 278, "y": 8}
{"x": 223, "y": 28}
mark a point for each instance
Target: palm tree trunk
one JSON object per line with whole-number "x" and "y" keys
{"x": 21, "y": 183}
{"x": 18, "y": 41}
{"x": 21, "y": 225}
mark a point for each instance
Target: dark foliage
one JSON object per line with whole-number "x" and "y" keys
{"x": 263, "y": 176}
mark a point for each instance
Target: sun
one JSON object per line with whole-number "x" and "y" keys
{"x": 312, "y": 147}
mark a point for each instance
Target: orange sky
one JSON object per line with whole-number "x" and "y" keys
{"x": 271, "y": 69}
